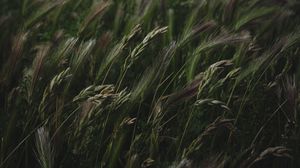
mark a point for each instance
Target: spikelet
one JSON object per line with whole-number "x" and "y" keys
{"x": 136, "y": 52}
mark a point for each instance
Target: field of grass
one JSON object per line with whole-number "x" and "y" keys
{"x": 149, "y": 83}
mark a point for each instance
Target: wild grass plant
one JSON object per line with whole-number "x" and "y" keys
{"x": 161, "y": 83}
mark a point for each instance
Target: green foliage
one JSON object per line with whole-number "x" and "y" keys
{"x": 137, "y": 83}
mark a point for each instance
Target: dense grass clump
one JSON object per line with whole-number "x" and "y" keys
{"x": 160, "y": 83}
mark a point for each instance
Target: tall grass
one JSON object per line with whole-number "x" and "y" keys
{"x": 181, "y": 83}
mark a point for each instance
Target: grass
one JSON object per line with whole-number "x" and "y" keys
{"x": 177, "y": 84}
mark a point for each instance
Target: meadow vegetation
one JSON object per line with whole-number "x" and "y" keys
{"x": 149, "y": 83}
